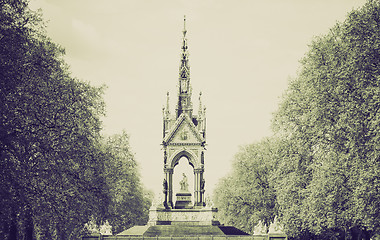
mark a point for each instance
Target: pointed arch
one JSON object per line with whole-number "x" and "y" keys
{"x": 183, "y": 153}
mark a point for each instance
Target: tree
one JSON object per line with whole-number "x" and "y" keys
{"x": 325, "y": 173}
{"x": 56, "y": 169}
{"x": 50, "y": 125}
{"x": 330, "y": 114}
{"x": 246, "y": 196}
{"x": 130, "y": 202}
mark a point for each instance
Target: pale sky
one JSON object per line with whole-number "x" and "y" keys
{"x": 241, "y": 56}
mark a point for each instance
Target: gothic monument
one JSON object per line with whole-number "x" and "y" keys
{"x": 184, "y": 135}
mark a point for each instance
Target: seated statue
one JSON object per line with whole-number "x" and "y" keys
{"x": 184, "y": 184}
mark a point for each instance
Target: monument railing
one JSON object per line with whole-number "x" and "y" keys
{"x": 249, "y": 237}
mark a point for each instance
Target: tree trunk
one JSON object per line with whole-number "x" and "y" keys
{"x": 29, "y": 228}
{"x": 60, "y": 232}
{"x": 360, "y": 234}
{"x": 13, "y": 230}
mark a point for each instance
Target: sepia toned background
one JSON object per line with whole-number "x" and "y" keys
{"x": 242, "y": 54}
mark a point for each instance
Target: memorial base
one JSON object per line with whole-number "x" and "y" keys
{"x": 195, "y": 216}
{"x": 183, "y": 200}
{"x": 183, "y": 232}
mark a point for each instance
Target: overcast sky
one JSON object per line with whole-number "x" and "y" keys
{"x": 241, "y": 55}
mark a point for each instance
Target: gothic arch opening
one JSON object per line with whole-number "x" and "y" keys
{"x": 190, "y": 158}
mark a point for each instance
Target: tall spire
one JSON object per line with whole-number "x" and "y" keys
{"x": 184, "y": 69}
{"x": 184, "y": 88}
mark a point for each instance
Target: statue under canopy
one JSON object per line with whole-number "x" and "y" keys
{"x": 184, "y": 184}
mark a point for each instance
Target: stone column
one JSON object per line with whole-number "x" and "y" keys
{"x": 169, "y": 179}
{"x": 198, "y": 176}
{"x": 195, "y": 187}
{"x": 202, "y": 192}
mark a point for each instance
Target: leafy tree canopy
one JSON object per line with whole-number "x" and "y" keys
{"x": 326, "y": 178}
{"x": 331, "y": 113}
{"x": 55, "y": 167}
{"x": 246, "y": 195}
{"x": 130, "y": 201}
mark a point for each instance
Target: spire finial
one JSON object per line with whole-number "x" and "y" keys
{"x": 184, "y": 26}
{"x": 184, "y": 87}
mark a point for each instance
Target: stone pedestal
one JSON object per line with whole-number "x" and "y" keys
{"x": 191, "y": 217}
{"x": 183, "y": 200}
